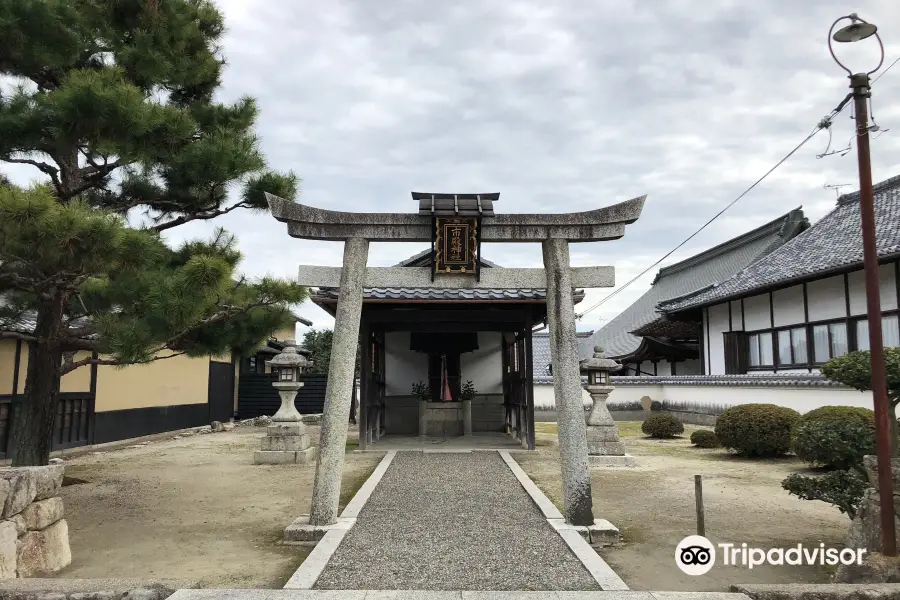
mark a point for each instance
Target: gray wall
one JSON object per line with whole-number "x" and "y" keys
{"x": 488, "y": 413}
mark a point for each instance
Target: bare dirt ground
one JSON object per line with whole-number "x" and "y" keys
{"x": 653, "y": 506}
{"x": 194, "y": 508}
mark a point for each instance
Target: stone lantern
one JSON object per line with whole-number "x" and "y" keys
{"x": 604, "y": 445}
{"x": 287, "y": 440}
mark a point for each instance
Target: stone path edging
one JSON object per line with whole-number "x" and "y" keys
{"x": 283, "y": 594}
{"x": 304, "y": 578}
{"x": 596, "y": 566}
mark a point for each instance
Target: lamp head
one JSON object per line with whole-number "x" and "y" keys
{"x": 857, "y": 30}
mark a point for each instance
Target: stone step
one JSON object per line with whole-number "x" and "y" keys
{"x": 217, "y": 594}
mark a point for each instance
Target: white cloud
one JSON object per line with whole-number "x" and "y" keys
{"x": 561, "y": 106}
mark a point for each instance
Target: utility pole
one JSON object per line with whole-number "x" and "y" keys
{"x": 858, "y": 30}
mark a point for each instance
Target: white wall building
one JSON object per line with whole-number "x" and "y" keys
{"x": 764, "y": 330}
{"x": 647, "y": 344}
{"x": 804, "y": 303}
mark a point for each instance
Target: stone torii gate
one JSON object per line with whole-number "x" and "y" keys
{"x": 553, "y": 231}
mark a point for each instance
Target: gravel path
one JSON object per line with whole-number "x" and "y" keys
{"x": 452, "y": 522}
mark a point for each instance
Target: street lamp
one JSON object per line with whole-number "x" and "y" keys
{"x": 859, "y": 29}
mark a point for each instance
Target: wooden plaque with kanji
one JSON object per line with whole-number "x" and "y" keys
{"x": 456, "y": 245}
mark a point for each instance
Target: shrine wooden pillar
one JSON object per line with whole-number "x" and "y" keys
{"x": 365, "y": 384}
{"x": 529, "y": 382}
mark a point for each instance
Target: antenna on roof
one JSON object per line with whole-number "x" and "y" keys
{"x": 837, "y": 187}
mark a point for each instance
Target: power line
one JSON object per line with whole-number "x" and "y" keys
{"x": 823, "y": 124}
{"x": 896, "y": 60}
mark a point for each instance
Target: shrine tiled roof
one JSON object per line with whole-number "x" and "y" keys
{"x": 440, "y": 294}
{"x": 422, "y": 259}
{"x": 831, "y": 245}
{"x": 688, "y": 276}
{"x": 540, "y": 352}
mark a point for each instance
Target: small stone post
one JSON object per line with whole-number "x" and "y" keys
{"x": 573, "y": 451}
{"x": 467, "y": 417}
{"x": 286, "y": 438}
{"x": 335, "y": 420}
{"x": 604, "y": 445}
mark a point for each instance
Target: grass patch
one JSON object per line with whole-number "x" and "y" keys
{"x": 630, "y": 428}
{"x": 298, "y": 554}
{"x": 546, "y": 428}
{"x": 351, "y": 484}
{"x": 633, "y": 535}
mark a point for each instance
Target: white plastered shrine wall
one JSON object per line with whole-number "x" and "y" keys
{"x": 404, "y": 367}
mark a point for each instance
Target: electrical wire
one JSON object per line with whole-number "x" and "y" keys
{"x": 896, "y": 60}
{"x": 823, "y": 124}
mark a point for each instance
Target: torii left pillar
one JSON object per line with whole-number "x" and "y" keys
{"x": 339, "y": 389}
{"x": 573, "y": 449}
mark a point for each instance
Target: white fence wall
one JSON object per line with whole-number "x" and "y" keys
{"x": 801, "y": 399}
{"x": 545, "y": 400}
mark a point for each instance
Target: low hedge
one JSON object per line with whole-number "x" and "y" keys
{"x": 757, "y": 430}
{"x": 662, "y": 425}
{"x": 704, "y": 438}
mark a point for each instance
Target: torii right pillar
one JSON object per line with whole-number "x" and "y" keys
{"x": 573, "y": 448}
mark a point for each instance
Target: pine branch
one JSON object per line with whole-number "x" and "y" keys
{"x": 92, "y": 177}
{"x": 50, "y": 170}
{"x": 24, "y": 284}
{"x": 197, "y": 217}
{"x": 71, "y": 366}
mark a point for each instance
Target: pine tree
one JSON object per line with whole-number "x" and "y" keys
{"x": 115, "y": 109}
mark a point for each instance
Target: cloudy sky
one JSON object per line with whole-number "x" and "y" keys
{"x": 559, "y": 106}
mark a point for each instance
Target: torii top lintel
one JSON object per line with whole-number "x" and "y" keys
{"x": 607, "y": 223}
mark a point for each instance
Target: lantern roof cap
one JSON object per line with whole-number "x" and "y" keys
{"x": 599, "y": 362}
{"x": 289, "y": 357}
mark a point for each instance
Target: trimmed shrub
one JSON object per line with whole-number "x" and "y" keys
{"x": 758, "y": 430}
{"x": 656, "y": 405}
{"x": 662, "y": 425}
{"x": 844, "y": 489}
{"x": 704, "y": 438}
{"x": 835, "y": 436}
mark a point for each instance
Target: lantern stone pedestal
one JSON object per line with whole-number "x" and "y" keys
{"x": 286, "y": 441}
{"x": 604, "y": 446}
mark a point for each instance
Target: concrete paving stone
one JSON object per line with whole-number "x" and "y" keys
{"x": 819, "y": 591}
{"x": 499, "y": 595}
{"x": 607, "y": 595}
{"x": 699, "y": 596}
{"x": 453, "y": 522}
{"x": 260, "y": 594}
{"x": 412, "y": 595}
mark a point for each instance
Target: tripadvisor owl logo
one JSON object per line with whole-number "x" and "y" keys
{"x": 695, "y": 555}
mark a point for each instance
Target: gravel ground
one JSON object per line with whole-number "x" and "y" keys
{"x": 452, "y": 522}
